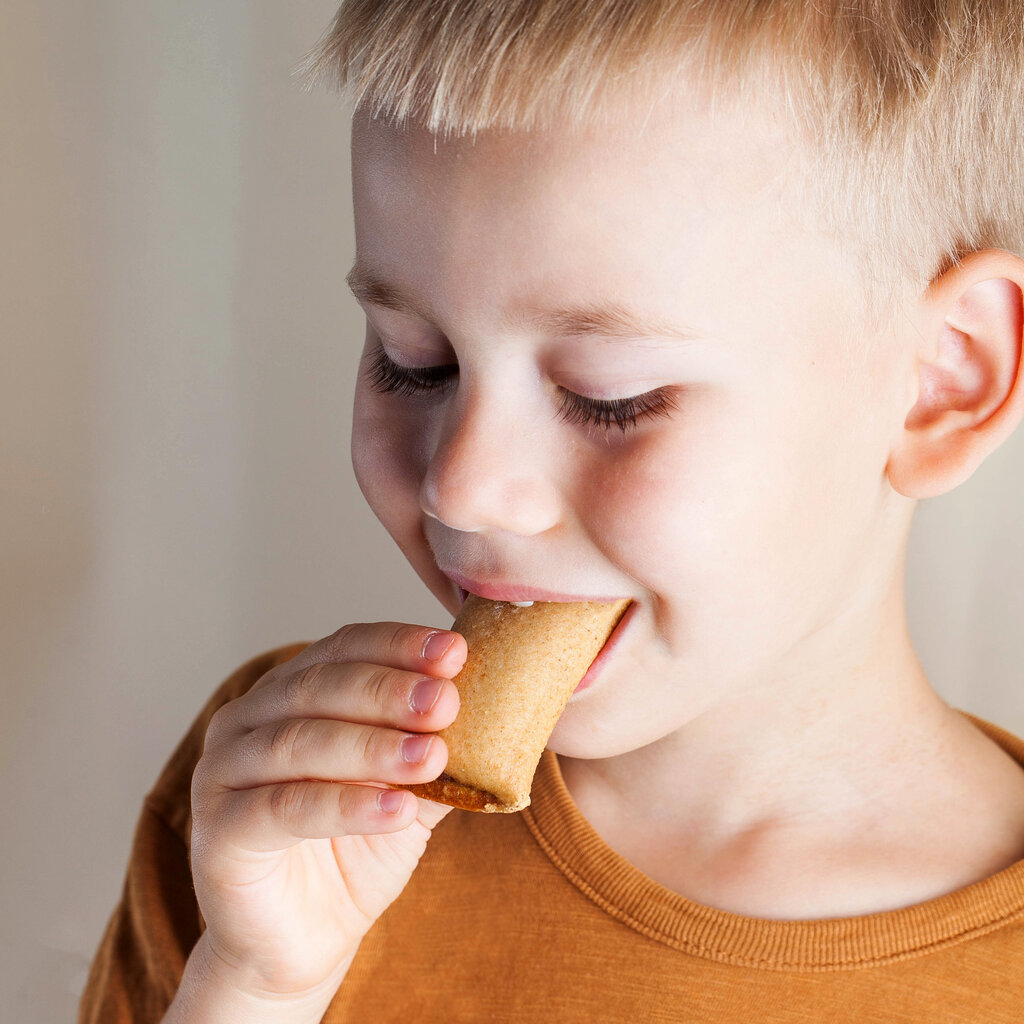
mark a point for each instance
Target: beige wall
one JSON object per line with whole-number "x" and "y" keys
{"x": 175, "y": 493}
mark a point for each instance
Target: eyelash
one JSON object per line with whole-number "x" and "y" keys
{"x": 386, "y": 377}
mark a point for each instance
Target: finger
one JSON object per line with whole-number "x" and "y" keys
{"x": 354, "y": 692}
{"x": 321, "y": 748}
{"x": 278, "y": 816}
{"x": 437, "y": 652}
{"x": 441, "y": 653}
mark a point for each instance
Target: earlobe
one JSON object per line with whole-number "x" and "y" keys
{"x": 970, "y": 389}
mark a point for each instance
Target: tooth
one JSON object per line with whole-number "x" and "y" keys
{"x": 521, "y": 604}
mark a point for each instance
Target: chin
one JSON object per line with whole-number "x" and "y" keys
{"x": 577, "y": 734}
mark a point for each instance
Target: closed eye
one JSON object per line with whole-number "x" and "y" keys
{"x": 387, "y": 377}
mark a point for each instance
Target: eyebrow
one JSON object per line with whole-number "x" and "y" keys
{"x": 610, "y": 321}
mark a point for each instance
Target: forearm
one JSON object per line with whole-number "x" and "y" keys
{"x": 206, "y": 997}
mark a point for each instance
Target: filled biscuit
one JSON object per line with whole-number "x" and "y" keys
{"x": 523, "y": 665}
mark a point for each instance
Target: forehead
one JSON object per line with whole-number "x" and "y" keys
{"x": 653, "y": 209}
{"x": 673, "y": 141}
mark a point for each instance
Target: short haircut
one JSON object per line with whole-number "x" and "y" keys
{"x": 913, "y": 109}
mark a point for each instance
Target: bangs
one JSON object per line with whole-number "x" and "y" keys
{"x": 466, "y": 66}
{"x": 463, "y": 66}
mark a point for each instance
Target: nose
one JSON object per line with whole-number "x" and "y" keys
{"x": 488, "y": 471}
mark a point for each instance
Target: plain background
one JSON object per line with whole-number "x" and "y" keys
{"x": 178, "y": 351}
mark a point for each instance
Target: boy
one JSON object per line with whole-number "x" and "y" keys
{"x": 687, "y": 303}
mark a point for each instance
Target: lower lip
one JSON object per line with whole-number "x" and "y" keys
{"x": 606, "y": 652}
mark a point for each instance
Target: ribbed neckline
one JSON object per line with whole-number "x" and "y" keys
{"x": 629, "y": 896}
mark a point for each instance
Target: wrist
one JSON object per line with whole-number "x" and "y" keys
{"x": 211, "y": 992}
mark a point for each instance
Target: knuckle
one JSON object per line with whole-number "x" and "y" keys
{"x": 270, "y": 676}
{"x": 205, "y": 788}
{"x": 301, "y": 688}
{"x": 339, "y": 642}
{"x": 222, "y": 723}
{"x": 406, "y": 638}
{"x": 215, "y": 728}
{"x": 370, "y": 745}
{"x": 287, "y": 801}
{"x": 286, "y": 739}
{"x": 379, "y": 686}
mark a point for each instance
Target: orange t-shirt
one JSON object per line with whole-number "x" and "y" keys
{"x": 532, "y": 917}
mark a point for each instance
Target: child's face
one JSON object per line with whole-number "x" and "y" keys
{"x": 746, "y": 511}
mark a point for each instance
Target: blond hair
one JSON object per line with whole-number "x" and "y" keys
{"x": 913, "y": 108}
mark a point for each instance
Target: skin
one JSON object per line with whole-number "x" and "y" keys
{"x": 763, "y": 738}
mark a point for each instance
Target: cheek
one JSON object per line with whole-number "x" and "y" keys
{"x": 653, "y": 508}
{"x": 388, "y": 456}
{"x": 708, "y": 521}
{"x": 386, "y": 464}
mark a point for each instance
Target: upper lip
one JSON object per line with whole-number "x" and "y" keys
{"x": 502, "y": 590}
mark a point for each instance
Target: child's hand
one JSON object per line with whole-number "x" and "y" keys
{"x": 296, "y": 847}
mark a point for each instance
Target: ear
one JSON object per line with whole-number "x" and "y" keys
{"x": 969, "y": 382}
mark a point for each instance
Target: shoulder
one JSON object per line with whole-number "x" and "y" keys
{"x": 170, "y": 795}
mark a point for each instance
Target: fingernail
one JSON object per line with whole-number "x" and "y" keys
{"x": 425, "y": 695}
{"x": 390, "y": 801}
{"x": 436, "y": 646}
{"x": 416, "y": 748}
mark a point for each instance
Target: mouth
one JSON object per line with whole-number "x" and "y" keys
{"x": 523, "y": 595}
{"x": 520, "y": 593}
{"x": 603, "y": 655}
